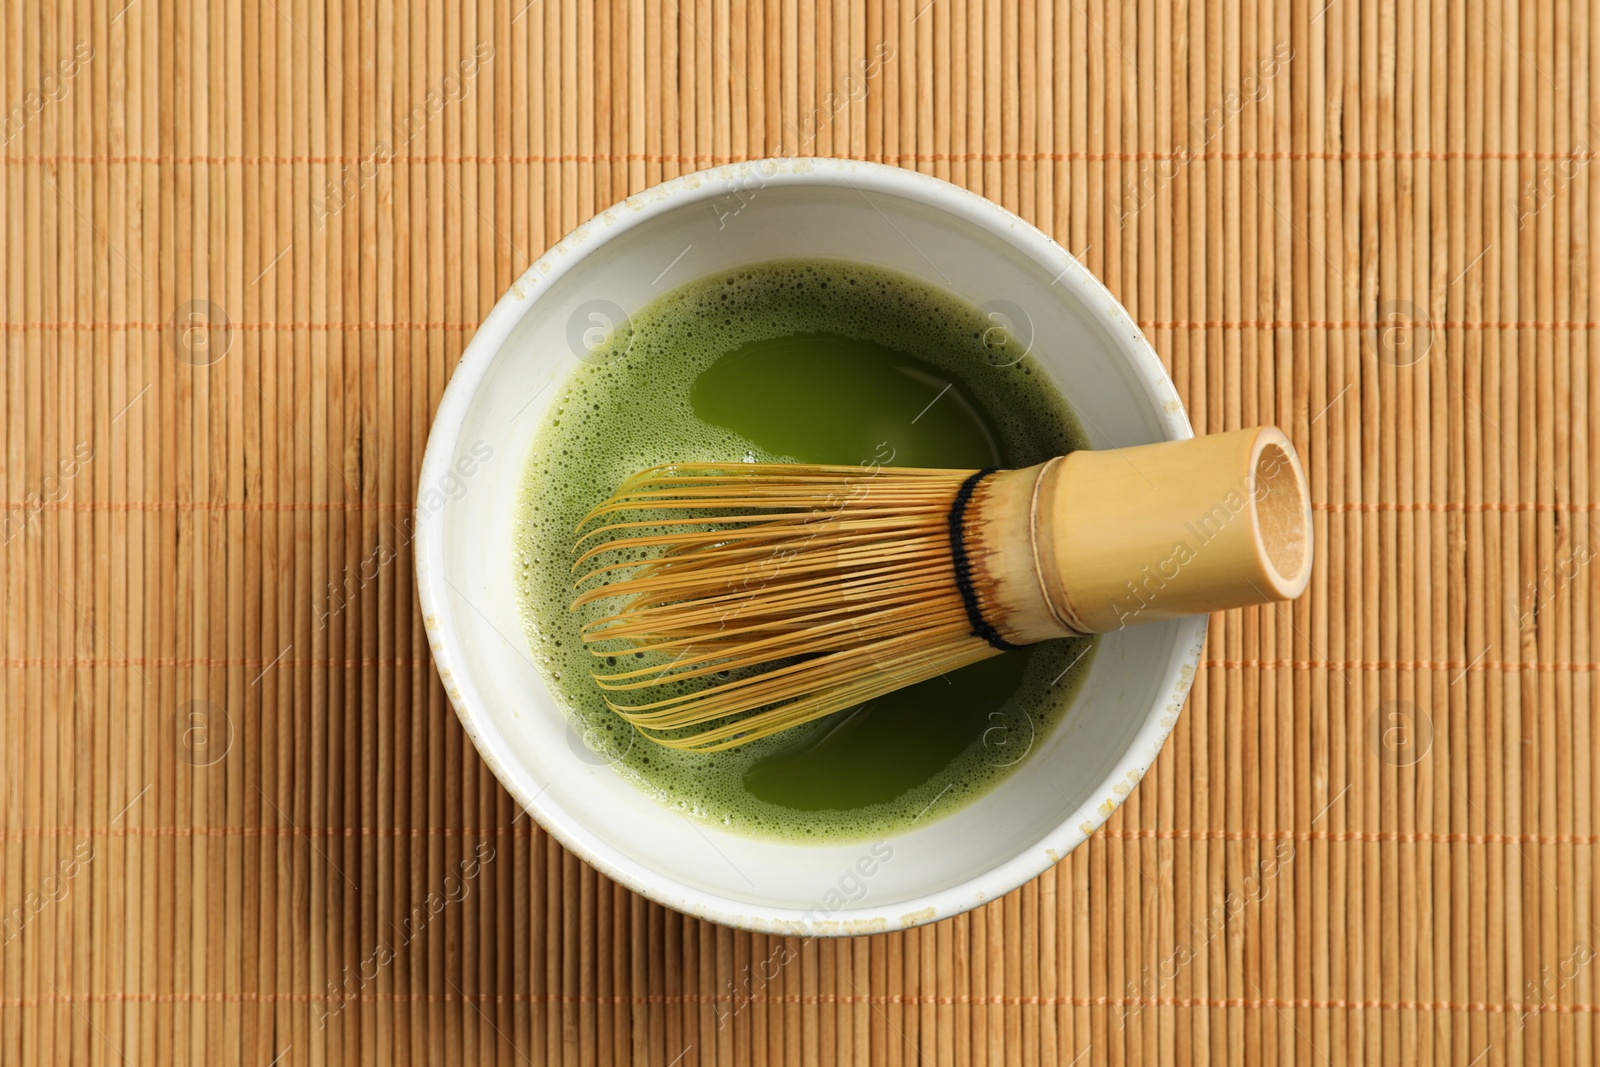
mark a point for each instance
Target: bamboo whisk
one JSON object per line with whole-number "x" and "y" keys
{"x": 760, "y": 596}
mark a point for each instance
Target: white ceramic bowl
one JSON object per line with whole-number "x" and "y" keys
{"x": 618, "y": 262}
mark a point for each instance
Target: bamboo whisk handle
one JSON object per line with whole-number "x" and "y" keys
{"x": 1095, "y": 541}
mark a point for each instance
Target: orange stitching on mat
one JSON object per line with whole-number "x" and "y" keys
{"x": 247, "y": 327}
{"x": 1414, "y": 155}
{"x": 525, "y": 832}
{"x": 155, "y": 662}
{"x": 1177, "y": 324}
{"x": 1394, "y": 665}
{"x": 1357, "y": 324}
{"x": 939, "y": 999}
{"x": 1180, "y": 324}
{"x": 1451, "y": 506}
{"x": 124, "y": 506}
{"x": 1361, "y": 837}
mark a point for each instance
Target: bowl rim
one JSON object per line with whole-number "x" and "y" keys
{"x": 433, "y": 593}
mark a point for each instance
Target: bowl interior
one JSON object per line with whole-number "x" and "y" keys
{"x": 512, "y": 371}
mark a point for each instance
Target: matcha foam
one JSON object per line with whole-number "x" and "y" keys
{"x": 814, "y": 361}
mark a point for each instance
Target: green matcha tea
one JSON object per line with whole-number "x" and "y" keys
{"x": 806, "y": 361}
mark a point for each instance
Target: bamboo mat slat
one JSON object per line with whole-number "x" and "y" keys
{"x": 244, "y": 244}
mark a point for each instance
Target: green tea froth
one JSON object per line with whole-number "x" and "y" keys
{"x": 813, "y": 361}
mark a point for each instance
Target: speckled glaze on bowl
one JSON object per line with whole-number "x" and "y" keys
{"x": 698, "y": 224}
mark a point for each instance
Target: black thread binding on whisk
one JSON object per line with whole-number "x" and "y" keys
{"x": 958, "y": 550}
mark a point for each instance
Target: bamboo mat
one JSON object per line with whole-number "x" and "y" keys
{"x": 244, "y": 244}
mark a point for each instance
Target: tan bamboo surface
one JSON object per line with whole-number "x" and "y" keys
{"x": 231, "y": 775}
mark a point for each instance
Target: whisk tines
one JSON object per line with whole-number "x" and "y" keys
{"x": 767, "y": 595}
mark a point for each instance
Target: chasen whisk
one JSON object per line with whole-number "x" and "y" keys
{"x": 762, "y": 596}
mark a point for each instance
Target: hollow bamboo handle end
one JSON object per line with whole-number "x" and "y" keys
{"x": 1096, "y": 541}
